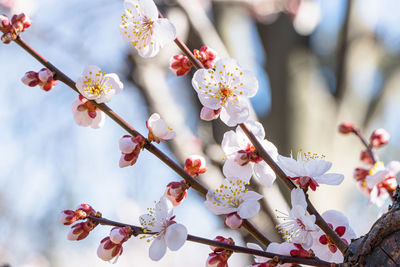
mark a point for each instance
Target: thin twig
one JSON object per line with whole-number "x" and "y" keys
{"x": 238, "y": 249}
{"x": 364, "y": 141}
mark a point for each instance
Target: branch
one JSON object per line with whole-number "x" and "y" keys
{"x": 365, "y": 143}
{"x": 238, "y": 249}
{"x": 343, "y": 247}
{"x": 59, "y": 75}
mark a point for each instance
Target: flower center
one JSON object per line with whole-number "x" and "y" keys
{"x": 224, "y": 93}
{"x": 247, "y": 155}
{"x": 230, "y": 195}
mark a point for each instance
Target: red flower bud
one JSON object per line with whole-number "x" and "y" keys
{"x": 180, "y": 65}
{"x": 379, "y": 137}
{"x": 360, "y": 174}
{"x": 195, "y": 165}
{"x": 364, "y": 157}
{"x": 176, "y": 192}
{"x": 206, "y": 56}
{"x": 346, "y": 127}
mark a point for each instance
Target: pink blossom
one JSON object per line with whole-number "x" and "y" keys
{"x": 195, "y": 165}
{"x": 108, "y": 250}
{"x": 86, "y": 114}
{"x": 180, "y": 65}
{"x": 130, "y": 148}
{"x": 176, "y": 192}
{"x": 206, "y": 56}
{"x": 11, "y": 29}
{"x": 379, "y": 137}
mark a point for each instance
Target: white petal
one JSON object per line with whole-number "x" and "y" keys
{"x": 273, "y": 247}
{"x": 330, "y": 179}
{"x": 123, "y": 163}
{"x": 99, "y": 120}
{"x": 264, "y": 173}
{"x": 298, "y": 198}
{"x": 250, "y": 83}
{"x": 202, "y": 79}
{"x": 126, "y": 145}
{"x": 336, "y": 218}
{"x": 126, "y": 31}
{"x": 131, "y": 4}
{"x": 148, "y": 9}
{"x": 111, "y": 80}
{"x": 257, "y": 259}
{"x": 230, "y": 143}
{"x": 146, "y": 49}
{"x": 271, "y": 149}
{"x": 157, "y": 249}
{"x": 290, "y": 166}
{"x": 175, "y": 236}
{"x": 285, "y": 248}
{"x": 226, "y": 65}
{"x": 214, "y": 208}
{"x": 248, "y": 209}
{"x": 315, "y": 167}
{"x": 165, "y": 31}
{"x": 337, "y": 257}
{"x": 235, "y": 112}
{"x": 393, "y": 167}
{"x": 255, "y": 127}
{"x": 251, "y": 195}
{"x": 91, "y": 71}
{"x": 80, "y": 117}
{"x": 232, "y": 169}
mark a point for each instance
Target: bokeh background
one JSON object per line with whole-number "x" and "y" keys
{"x": 318, "y": 62}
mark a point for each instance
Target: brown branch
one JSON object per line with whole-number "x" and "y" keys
{"x": 59, "y": 75}
{"x": 238, "y": 249}
{"x": 343, "y": 247}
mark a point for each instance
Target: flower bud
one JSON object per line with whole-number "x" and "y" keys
{"x": 360, "y": 174}
{"x": 126, "y": 144}
{"x": 7, "y": 37}
{"x": 206, "y": 56}
{"x": 217, "y": 260}
{"x": 222, "y": 239}
{"x": 108, "y": 250}
{"x": 346, "y": 127}
{"x": 176, "y": 192}
{"x": 207, "y": 114}
{"x": 4, "y": 23}
{"x": 379, "y": 137}
{"x": 30, "y": 78}
{"x": 365, "y": 157}
{"x": 128, "y": 159}
{"x": 180, "y": 65}
{"x": 119, "y": 235}
{"x": 233, "y": 221}
{"x": 195, "y": 165}
{"x": 68, "y": 217}
{"x": 45, "y": 75}
{"x": 20, "y": 22}
{"x": 86, "y": 208}
{"x": 81, "y": 230}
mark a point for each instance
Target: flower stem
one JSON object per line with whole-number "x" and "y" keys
{"x": 343, "y": 247}
{"x": 59, "y": 75}
{"x": 279, "y": 258}
{"x": 364, "y": 141}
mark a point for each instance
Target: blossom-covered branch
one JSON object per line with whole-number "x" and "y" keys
{"x": 59, "y": 75}
{"x": 136, "y": 230}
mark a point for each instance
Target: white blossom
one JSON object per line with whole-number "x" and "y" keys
{"x": 158, "y": 129}
{"x": 226, "y": 86}
{"x": 141, "y": 26}
{"x": 98, "y": 86}
{"x": 242, "y": 158}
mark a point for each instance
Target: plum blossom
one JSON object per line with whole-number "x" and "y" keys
{"x": 98, "y": 86}
{"x": 226, "y": 86}
{"x": 381, "y": 182}
{"x": 44, "y": 78}
{"x": 242, "y": 158}
{"x": 297, "y": 226}
{"x": 206, "y": 56}
{"x": 232, "y": 196}
{"x": 169, "y": 233}
{"x": 159, "y": 131}
{"x": 323, "y": 247}
{"x": 141, "y": 26}
{"x": 111, "y": 246}
{"x": 180, "y": 65}
{"x": 309, "y": 170}
{"x": 285, "y": 248}
{"x": 130, "y": 148}
{"x": 86, "y": 114}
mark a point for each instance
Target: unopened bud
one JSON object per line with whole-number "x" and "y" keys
{"x": 4, "y": 23}
{"x": 180, "y": 65}
{"x": 119, "y": 235}
{"x": 206, "y": 56}
{"x": 86, "y": 208}
{"x": 7, "y": 37}
{"x": 360, "y": 173}
{"x": 126, "y": 144}
{"x": 128, "y": 159}
{"x": 30, "y": 78}
{"x": 233, "y": 221}
{"x": 20, "y": 22}
{"x": 45, "y": 75}
{"x": 176, "y": 192}
{"x": 208, "y": 114}
{"x": 222, "y": 239}
{"x": 81, "y": 230}
{"x": 346, "y": 127}
{"x": 108, "y": 250}
{"x": 68, "y": 217}
{"x": 379, "y": 137}
{"x": 195, "y": 165}
{"x": 365, "y": 157}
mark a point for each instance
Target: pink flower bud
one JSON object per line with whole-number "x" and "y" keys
{"x": 7, "y": 37}
{"x": 68, "y": 217}
{"x": 81, "y": 230}
{"x": 4, "y": 23}
{"x": 31, "y": 78}
{"x": 176, "y": 192}
{"x": 86, "y": 208}
{"x": 45, "y": 75}
{"x": 207, "y": 114}
{"x": 108, "y": 250}
{"x": 180, "y": 65}
{"x": 233, "y": 221}
{"x": 49, "y": 85}
{"x": 364, "y": 157}
{"x": 346, "y": 127}
{"x": 206, "y": 56}
{"x": 126, "y": 144}
{"x": 128, "y": 159}
{"x": 119, "y": 235}
{"x": 379, "y": 137}
{"x": 20, "y": 22}
{"x": 217, "y": 260}
{"x": 360, "y": 174}
{"x": 195, "y": 165}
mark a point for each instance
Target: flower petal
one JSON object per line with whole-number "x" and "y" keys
{"x": 330, "y": 179}
{"x": 248, "y": 209}
{"x": 158, "y": 248}
{"x": 264, "y": 173}
{"x": 230, "y": 143}
{"x": 298, "y": 198}
{"x": 232, "y": 169}
{"x": 164, "y": 31}
{"x": 250, "y": 83}
{"x": 175, "y": 236}
{"x": 235, "y": 112}
{"x": 149, "y": 9}
{"x": 290, "y": 166}
{"x": 112, "y": 81}
{"x": 336, "y": 218}
{"x": 315, "y": 167}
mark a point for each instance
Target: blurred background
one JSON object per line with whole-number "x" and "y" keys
{"x": 318, "y": 63}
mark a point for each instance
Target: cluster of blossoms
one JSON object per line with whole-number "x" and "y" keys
{"x": 375, "y": 180}
{"x": 181, "y": 65}
{"x": 43, "y": 78}
{"x": 11, "y": 29}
